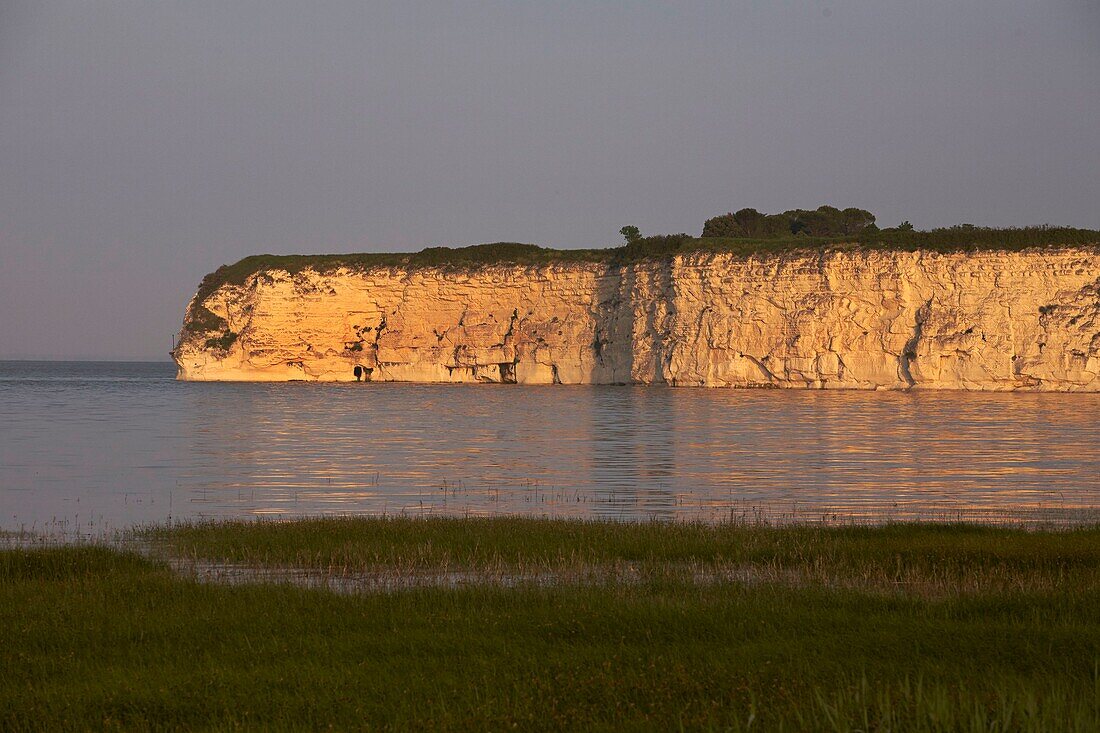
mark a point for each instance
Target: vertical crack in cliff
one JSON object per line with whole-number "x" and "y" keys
{"x": 508, "y": 368}
{"x": 660, "y": 315}
{"x": 374, "y": 344}
{"x": 909, "y": 353}
{"x": 614, "y": 302}
{"x": 511, "y": 326}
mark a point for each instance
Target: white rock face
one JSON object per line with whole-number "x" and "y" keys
{"x": 846, "y": 319}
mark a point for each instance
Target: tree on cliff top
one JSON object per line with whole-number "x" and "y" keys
{"x": 631, "y": 234}
{"x": 825, "y": 221}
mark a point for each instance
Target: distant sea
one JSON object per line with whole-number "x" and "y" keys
{"x": 89, "y": 447}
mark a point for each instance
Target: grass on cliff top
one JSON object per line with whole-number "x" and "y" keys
{"x": 950, "y": 239}
{"x": 98, "y": 638}
{"x": 461, "y": 258}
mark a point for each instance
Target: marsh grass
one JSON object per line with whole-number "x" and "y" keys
{"x": 98, "y": 637}
{"x": 911, "y": 558}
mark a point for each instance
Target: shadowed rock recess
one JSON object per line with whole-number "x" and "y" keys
{"x": 844, "y": 318}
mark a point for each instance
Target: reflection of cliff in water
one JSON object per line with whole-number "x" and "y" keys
{"x": 161, "y": 449}
{"x": 633, "y": 451}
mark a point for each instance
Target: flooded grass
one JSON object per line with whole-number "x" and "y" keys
{"x": 932, "y": 628}
{"x": 914, "y": 558}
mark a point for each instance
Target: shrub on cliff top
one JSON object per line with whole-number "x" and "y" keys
{"x": 967, "y": 237}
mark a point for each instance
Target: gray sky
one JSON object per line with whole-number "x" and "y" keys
{"x": 142, "y": 144}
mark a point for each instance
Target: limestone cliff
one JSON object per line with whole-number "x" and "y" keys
{"x": 846, "y": 319}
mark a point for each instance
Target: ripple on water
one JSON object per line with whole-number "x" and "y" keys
{"x": 107, "y": 446}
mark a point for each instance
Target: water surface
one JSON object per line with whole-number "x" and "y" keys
{"x": 93, "y": 446}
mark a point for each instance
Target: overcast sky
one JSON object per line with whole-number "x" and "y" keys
{"x": 142, "y": 144}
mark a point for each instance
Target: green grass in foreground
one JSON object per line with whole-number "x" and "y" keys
{"x": 97, "y": 638}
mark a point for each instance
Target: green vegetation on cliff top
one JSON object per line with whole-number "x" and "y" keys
{"x": 744, "y": 233}
{"x": 952, "y": 239}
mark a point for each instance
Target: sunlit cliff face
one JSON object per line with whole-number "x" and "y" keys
{"x": 839, "y": 320}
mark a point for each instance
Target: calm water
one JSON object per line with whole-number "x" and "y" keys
{"x": 90, "y": 447}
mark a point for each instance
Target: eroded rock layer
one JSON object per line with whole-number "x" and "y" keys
{"x": 847, "y": 319}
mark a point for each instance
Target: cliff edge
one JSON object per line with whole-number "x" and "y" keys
{"x": 832, "y": 318}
